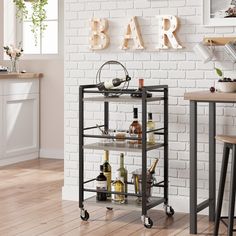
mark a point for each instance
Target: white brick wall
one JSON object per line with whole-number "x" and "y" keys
{"x": 181, "y": 70}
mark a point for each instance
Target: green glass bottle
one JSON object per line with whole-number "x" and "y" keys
{"x": 123, "y": 172}
{"x": 107, "y": 171}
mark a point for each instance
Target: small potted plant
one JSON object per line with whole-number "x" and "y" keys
{"x": 14, "y": 55}
{"x": 224, "y": 84}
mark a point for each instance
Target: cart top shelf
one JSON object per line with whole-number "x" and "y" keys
{"x": 121, "y": 99}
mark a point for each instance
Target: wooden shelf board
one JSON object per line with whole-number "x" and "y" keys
{"x": 121, "y": 99}
{"x": 114, "y": 146}
{"x": 132, "y": 202}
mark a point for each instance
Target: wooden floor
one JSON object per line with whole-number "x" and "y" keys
{"x": 30, "y": 204}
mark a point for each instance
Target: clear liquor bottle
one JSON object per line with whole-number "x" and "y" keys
{"x": 107, "y": 171}
{"x": 123, "y": 173}
{"x": 150, "y": 127}
{"x": 118, "y": 186}
{"x": 135, "y": 129}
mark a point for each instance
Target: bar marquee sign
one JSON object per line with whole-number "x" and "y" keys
{"x": 99, "y": 37}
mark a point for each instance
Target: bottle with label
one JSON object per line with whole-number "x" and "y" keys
{"x": 118, "y": 186}
{"x": 150, "y": 127}
{"x": 110, "y": 84}
{"x": 123, "y": 173}
{"x": 101, "y": 184}
{"x": 152, "y": 168}
{"x": 135, "y": 129}
{"x": 107, "y": 171}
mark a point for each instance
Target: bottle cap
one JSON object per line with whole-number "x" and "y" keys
{"x": 122, "y": 154}
{"x": 140, "y": 83}
{"x": 150, "y": 116}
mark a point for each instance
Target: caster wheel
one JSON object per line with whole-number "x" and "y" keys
{"x": 109, "y": 208}
{"x": 84, "y": 215}
{"x": 147, "y": 222}
{"x": 169, "y": 211}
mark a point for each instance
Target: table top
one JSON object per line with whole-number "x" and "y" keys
{"x": 207, "y": 96}
{"x": 21, "y": 75}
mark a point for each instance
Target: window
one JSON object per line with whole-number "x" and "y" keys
{"x": 48, "y": 41}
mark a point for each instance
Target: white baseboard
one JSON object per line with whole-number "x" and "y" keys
{"x": 20, "y": 158}
{"x": 51, "y": 153}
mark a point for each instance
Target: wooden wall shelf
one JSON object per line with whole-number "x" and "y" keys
{"x": 218, "y": 41}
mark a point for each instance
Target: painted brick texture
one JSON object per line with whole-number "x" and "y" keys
{"x": 181, "y": 70}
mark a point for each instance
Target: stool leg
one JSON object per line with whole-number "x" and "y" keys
{"x": 221, "y": 188}
{"x": 232, "y": 193}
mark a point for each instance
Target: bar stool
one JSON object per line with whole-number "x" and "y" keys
{"x": 229, "y": 143}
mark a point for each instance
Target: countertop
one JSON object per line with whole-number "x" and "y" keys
{"x": 207, "y": 96}
{"x": 21, "y": 75}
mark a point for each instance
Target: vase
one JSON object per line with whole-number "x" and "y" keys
{"x": 14, "y": 66}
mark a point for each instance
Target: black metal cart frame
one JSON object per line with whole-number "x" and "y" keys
{"x": 162, "y": 92}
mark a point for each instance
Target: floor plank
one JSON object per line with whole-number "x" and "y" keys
{"x": 30, "y": 201}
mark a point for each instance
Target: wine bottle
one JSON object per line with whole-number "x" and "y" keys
{"x": 107, "y": 171}
{"x": 101, "y": 184}
{"x": 118, "y": 186}
{"x": 150, "y": 127}
{"x": 112, "y": 83}
{"x": 123, "y": 173}
{"x": 135, "y": 129}
{"x": 138, "y": 93}
{"x": 152, "y": 168}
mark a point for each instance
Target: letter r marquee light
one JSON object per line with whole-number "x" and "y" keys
{"x": 167, "y": 28}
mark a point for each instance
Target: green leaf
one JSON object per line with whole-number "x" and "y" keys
{"x": 219, "y": 72}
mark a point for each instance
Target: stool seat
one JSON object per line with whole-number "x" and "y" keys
{"x": 226, "y": 138}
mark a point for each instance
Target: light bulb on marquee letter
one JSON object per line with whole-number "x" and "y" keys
{"x": 167, "y": 32}
{"x": 99, "y": 38}
{"x": 133, "y": 32}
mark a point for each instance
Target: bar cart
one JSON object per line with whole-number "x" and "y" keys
{"x": 89, "y": 93}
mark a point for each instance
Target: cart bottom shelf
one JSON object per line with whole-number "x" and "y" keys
{"x": 132, "y": 202}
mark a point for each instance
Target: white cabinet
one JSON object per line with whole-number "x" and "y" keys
{"x": 19, "y": 120}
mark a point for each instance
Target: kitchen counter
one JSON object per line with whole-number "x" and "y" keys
{"x": 21, "y": 75}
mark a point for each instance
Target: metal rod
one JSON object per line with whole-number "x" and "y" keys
{"x": 93, "y": 127}
{"x": 88, "y": 181}
{"x": 81, "y": 144}
{"x": 212, "y": 160}
{"x": 112, "y": 192}
{"x": 155, "y": 203}
{"x": 144, "y": 152}
{"x": 203, "y": 205}
{"x": 109, "y": 137}
{"x": 223, "y": 174}
{"x": 166, "y": 147}
{"x": 106, "y": 116}
{"x": 232, "y": 192}
{"x": 153, "y": 130}
{"x": 193, "y": 167}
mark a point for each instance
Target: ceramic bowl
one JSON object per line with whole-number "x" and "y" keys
{"x": 226, "y": 87}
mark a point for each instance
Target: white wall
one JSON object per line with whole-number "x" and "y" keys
{"x": 51, "y": 99}
{"x": 181, "y": 70}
